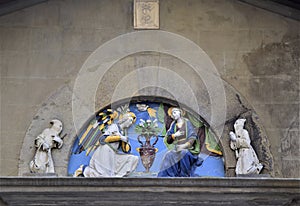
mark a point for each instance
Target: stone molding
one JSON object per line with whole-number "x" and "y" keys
{"x": 149, "y": 191}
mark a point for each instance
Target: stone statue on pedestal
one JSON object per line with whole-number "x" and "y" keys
{"x": 247, "y": 161}
{"x": 45, "y": 142}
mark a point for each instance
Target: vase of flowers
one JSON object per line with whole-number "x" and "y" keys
{"x": 147, "y": 130}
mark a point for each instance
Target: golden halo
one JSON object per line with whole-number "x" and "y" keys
{"x": 171, "y": 108}
{"x": 133, "y": 116}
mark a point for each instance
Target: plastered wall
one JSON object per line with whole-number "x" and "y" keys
{"x": 43, "y": 47}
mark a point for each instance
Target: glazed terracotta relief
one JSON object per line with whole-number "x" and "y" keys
{"x": 146, "y": 139}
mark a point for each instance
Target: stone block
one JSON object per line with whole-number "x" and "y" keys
{"x": 186, "y": 73}
{"x": 180, "y": 78}
{"x": 295, "y": 144}
{"x": 213, "y": 16}
{"x": 290, "y": 146}
{"x": 271, "y": 58}
{"x": 61, "y": 64}
{"x": 230, "y": 40}
{"x": 234, "y": 65}
{"x": 285, "y": 116}
{"x": 70, "y": 63}
{"x": 279, "y": 116}
{"x": 270, "y": 90}
{"x": 202, "y": 15}
{"x": 113, "y": 77}
{"x": 260, "y": 90}
{"x": 272, "y": 35}
{"x": 96, "y": 14}
{"x": 46, "y": 14}
{"x": 290, "y": 168}
{"x": 86, "y": 39}
{"x": 30, "y": 92}
{"x": 265, "y": 115}
{"x": 172, "y": 18}
{"x": 41, "y": 64}
{"x": 236, "y": 104}
{"x": 286, "y": 89}
{"x": 145, "y": 59}
{"x": 9, "y": 152}
{"x": 148, "y": 77}
{"x": 241, "y": 84}
{"x": 10, "y": 120}
{"x": 218, "y": 59}
{"x": 1, "y": 59}
{"x": 45, "y": 39}
{"x": 15, "y": 38}
{"x": 247, "y": 16}
{"x": 20, "y": 18}
{"x": 14, "y": 63}
{"x": 274, "y": 137}
{"x": 2, "y": 88}
{"x": 1, "y": 37}
{"x": 127, "y": 86}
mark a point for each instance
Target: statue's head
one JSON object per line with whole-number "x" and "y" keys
{"x": 239, "y": 124}
{"x": 175, "y": 112}
{"x": 127, "y": 119}
{"x": 56, "y": 125}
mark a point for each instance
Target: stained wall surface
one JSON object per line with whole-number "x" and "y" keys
{"x": 44, "y": 46}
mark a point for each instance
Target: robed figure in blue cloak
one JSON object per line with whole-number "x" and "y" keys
{"x": 182, "y": 158}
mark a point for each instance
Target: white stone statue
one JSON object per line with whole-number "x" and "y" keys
{"x": 111, "y": 158}
{"x": 247, "y": 161}
{"x": 45, "y": 142}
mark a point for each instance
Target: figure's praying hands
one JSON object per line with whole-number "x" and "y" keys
{"x": 178, "y": 133}
{"x": 232, "y": 136}
{"x": 124, "y": 138}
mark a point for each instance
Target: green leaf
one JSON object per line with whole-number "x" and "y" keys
{"x": 161, "y": 113}
{"x": 195, "y": 121}
{"x": 211, "y": 142}
{"x": 164, "y": 131}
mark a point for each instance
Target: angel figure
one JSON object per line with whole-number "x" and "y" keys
{"x": 112, "y": 158}
{"x": 247, "y": 161}
{"x": 45, "y": 142}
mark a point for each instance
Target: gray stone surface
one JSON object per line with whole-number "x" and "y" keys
{"x": 149, "y": 191}
{"x": 255, "y": 51}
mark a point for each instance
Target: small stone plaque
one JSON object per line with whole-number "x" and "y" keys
{"x": 146, "y": 14}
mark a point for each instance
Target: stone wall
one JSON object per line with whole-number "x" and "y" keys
{"x": 257, "y": 52}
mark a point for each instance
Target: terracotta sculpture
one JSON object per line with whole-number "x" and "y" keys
{"x": 110, "y": 158}
{"x": 181, "y": 140}
{"x": 45, "y": 142}
{"x": 247, "y": 161}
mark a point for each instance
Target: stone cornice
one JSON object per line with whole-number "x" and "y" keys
{"x": 149, "y": 191}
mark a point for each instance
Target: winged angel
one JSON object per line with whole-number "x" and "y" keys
{"x": 110, "y": 144}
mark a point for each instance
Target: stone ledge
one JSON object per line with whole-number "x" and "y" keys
{"x": 149, "y": 191}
